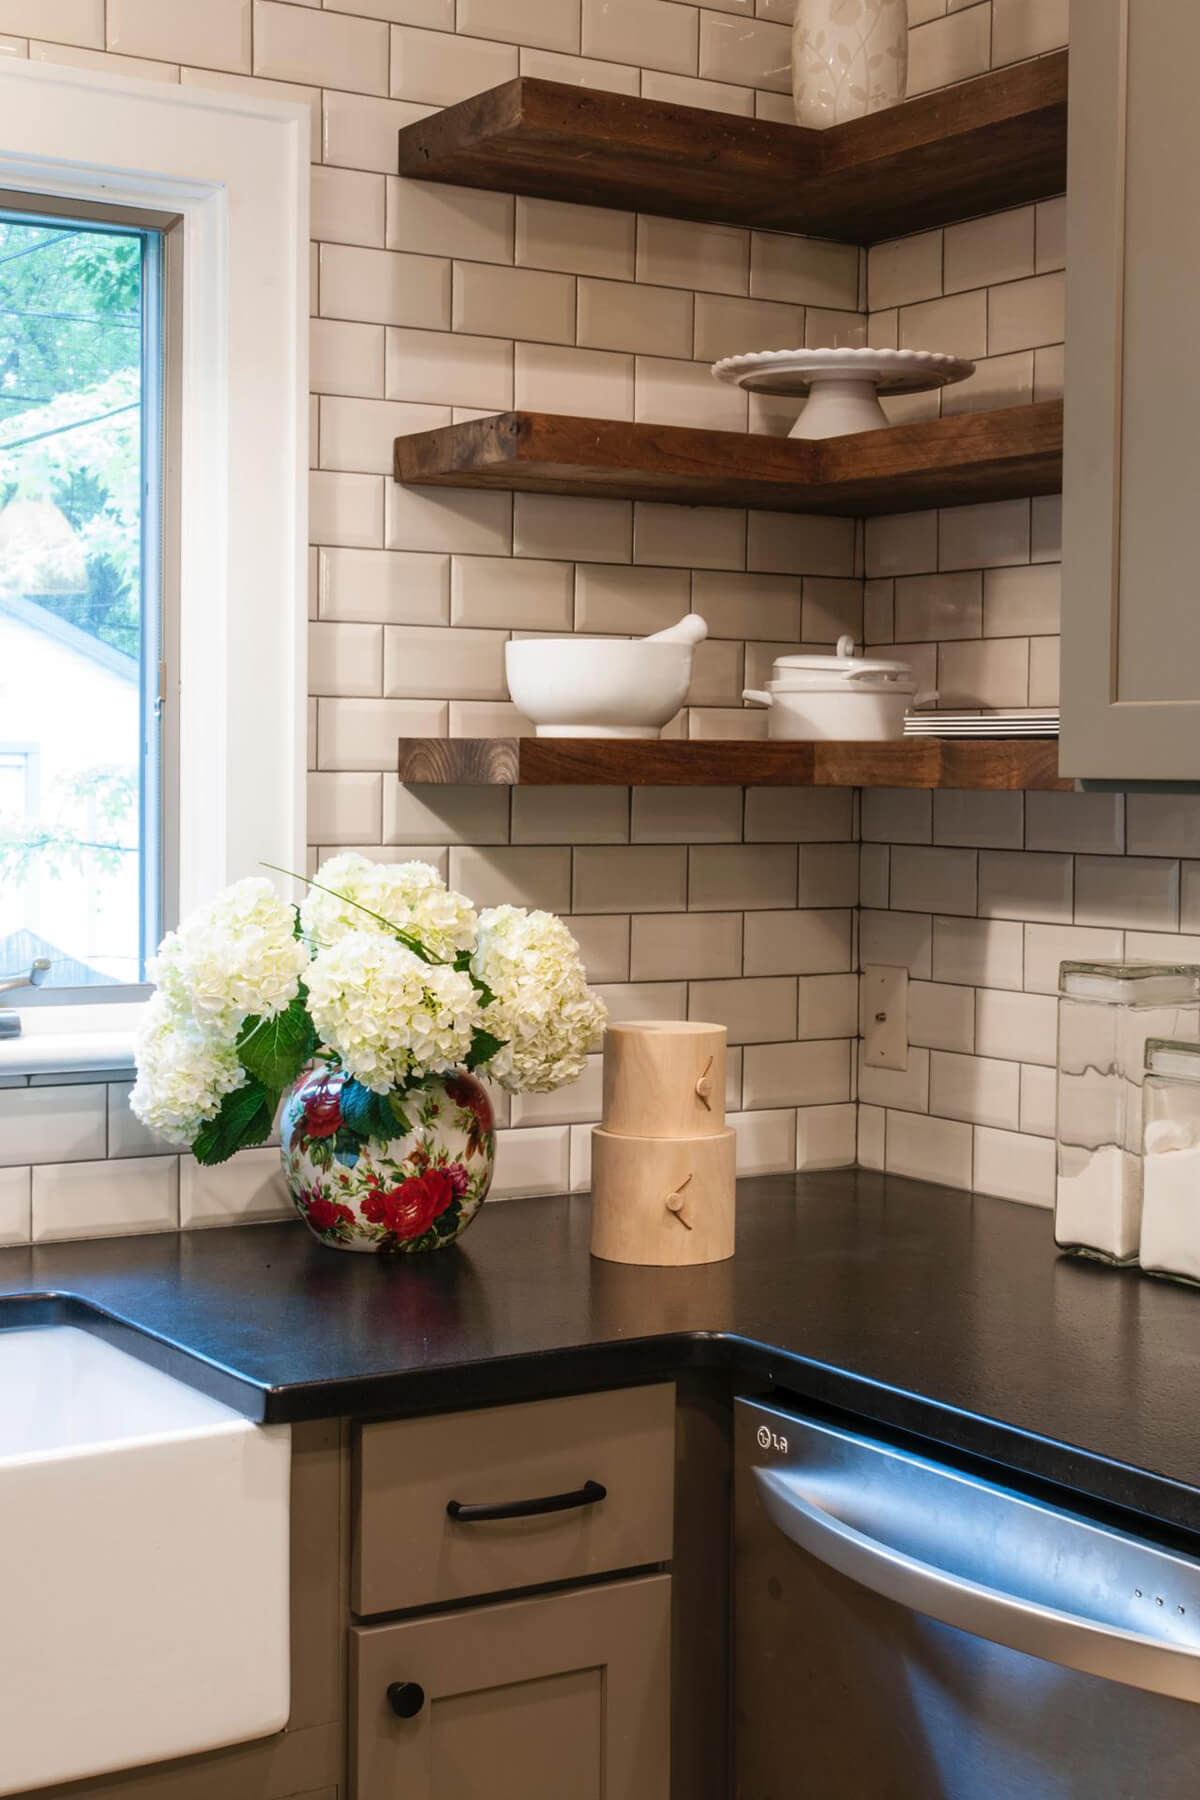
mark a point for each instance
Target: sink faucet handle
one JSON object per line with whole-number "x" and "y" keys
{"x": 38, "y": 971}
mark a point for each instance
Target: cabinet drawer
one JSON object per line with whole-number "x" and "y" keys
{"x": 564, "y": 1697}
{"x": 408, "y": 1551}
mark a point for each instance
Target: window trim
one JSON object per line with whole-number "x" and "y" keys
{"x": 235, "y": 168}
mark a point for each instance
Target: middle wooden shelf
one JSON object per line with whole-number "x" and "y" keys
{"x": 967, "y": 458}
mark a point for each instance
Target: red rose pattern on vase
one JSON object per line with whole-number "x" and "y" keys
{"x": 373, "y": 1191}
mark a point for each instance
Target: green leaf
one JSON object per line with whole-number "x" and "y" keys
{"x": 366, "y": 1113}
{"x": 462, "y": 963}
{"x": 245, "y": 1118}
{"x": 275, "y": 1050}
{"x": 403, "y": 1123}
{"x": 483, "y": 1047}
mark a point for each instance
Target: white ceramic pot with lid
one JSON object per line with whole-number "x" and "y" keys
{"x": 844, "y": 696}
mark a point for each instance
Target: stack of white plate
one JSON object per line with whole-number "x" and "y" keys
{"x": 1027, "y": 722}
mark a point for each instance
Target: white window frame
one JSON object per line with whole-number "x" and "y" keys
{"x": 235, "y": 168}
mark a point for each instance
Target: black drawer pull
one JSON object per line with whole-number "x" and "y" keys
{"x": 587, "y": 1495}
{"x": 406, "y": 1698}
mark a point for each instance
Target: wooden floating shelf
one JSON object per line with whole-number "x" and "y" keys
{"x": 970, "y": 457}
{"x": 1000, "y": 764}
{"x": 997, "y": 141}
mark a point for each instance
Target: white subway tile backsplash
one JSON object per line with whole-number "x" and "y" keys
{"x": 674, "y": 392}
{"x": 686, "y": 815}
{"x": 598, "y": 384}
{"x": 782, "y": 815}
{"x": 828, "y": 874}
{"x": 938, "y": 606}
{"x": 536, "y": 1161}
{"x": 431, "y": 815}
{"x": 216, "y": 35}
{"x": 753, "y": 1010}
{"x": 640, "y": 878}
{"x": 800, "y": 544}
{"x": 1022, "y": 28}
{"x": 1014, "y": 1166}
{"x": 548, "y": 24}
{"x": 1017, "y": 1027}
{"x": 983, "y": 953}
{"x": 906, "y": 1088}
{"x": 990, "y": 821}
{"x": 1046, "y": 946}
{"x": 69, "y": 1122}
{"x": 973, "y": 537}
{"x": 900, "y": 940}
{"x": 803, "y": 271}
{"x": 825, "y": 1137}
{"x": 443, "y": 370}
{"x": 517, "y": 594}
{"x": 902, "y": 544}
{"x": 439, "y": 69}
{"x": 902, "y": 271}
{"x": 554, "y": 815}
{"x": 358, "y": 436}
{"x": 346, "y": 358}
{"x": 387, "y": 586}
{"x": 1163, "y": 824}
{"x": 65, "y": 21}
{"x": 325, "y": 49}
{"x": 358, "y": 131}
{"x": 986, "y": 672}
{"x": 766, "y": 1142}
{"x": 246, "y": 1191}
{"x": 1039, "y": 1101}
{"x": 806, "y": 942}
{"x": 686, "y": 90}
{"x": 726, "y": 877}
{"x": 15, "y": 1215}
{"x": 714, "y": 259}
{"x": 924, "y": 1149}
{"x": 897, "y": 816}
{"x": 1140, "y": 892}
{"x": 105, "y": 1199}
{"x": 1023, "y": 314}
{"x": 437, "y": 519}
{"x": 810, "y": 1074}
{"x": 1024, "y": 885}
{"x": 622, "y": 315}
{"x": 345, "y": 808}
{"x": 579, "y": 240}
{"x": 384, "y": 286}
{"x": 872, "y": 1122}
{"x": 941, "y": 1017}
{"x": 933, "y": 880}
{"x": 687, "y": 947}
{"x": 657, "y": 34}
{"x": 581, "y": 71}
{"x": 949, "y": 49}
{"x": 592, "y": 531}
{"x": 976, "y": 1089}
{"x": 497, "y": 301}
{"x": 982, "y": 252}
{"x": 537, "y": 877}
{"x": 827, "y": 1006}
{"x": 436, "y": 220}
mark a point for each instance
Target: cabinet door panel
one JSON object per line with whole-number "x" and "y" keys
{"x": 565, "y": 1697}
{"x": 1131, "y": 628}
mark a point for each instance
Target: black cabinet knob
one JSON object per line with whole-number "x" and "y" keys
{"x": 406, "y": 1698}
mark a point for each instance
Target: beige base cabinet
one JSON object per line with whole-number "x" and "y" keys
{"x": 562, "y": 1697}
{"x": 1130, "y": 623}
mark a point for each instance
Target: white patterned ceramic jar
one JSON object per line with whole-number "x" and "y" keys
{"x": 849, "y": 57}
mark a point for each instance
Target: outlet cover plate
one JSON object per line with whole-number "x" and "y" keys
{"x": 885, "y": 1017}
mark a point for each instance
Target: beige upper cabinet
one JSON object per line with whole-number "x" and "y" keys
{"x": 1131, "y": 606}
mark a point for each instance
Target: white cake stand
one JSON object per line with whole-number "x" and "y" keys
{"x": 843, "y": 386}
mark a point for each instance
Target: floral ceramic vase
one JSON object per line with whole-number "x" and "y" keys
{"x": 384, "y": 1172}
{"x": 849, "y": 57}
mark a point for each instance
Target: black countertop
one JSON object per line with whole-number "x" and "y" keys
{"x": 915, "y": 1307}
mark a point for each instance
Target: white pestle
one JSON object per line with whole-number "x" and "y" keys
{"x": 690, "y": 630}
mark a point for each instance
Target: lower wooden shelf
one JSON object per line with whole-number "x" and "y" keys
{"x": 994, "y": 764}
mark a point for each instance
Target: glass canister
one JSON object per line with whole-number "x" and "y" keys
{"x": 1170, "y": 1242}
{"x": 1106, "y": 1014}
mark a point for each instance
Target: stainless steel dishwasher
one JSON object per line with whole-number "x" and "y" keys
{"x": 905, "y": 1631}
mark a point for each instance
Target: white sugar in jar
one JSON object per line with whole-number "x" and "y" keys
{"x": 1106, "y": 1014}
{"x": 1170, "y": 1234}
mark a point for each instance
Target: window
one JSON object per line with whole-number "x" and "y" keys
{"x": 82, "y": 381}
{"x": 182, "y": 217}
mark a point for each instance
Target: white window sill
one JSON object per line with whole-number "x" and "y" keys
{"x": 72, "y": 1040}
{"x": 107, "y": 1053}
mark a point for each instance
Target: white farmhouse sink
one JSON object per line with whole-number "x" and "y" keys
{"x": 143, "y": 1564}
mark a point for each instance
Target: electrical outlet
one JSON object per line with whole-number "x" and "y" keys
{"x": 885, "y": 1017}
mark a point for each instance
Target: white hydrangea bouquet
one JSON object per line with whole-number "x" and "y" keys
{"x": 367, "y": 1019}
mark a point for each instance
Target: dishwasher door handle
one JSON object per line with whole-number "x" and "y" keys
{"x": 1074, "y": 1641}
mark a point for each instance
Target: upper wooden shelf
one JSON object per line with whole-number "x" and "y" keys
{"x": 969, "y": 457}
{"x": 997, "y": 141}
{"x": 1001, "y": 764}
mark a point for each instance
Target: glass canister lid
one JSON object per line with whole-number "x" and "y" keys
{"x": 1174, "y": 1057}
{"x": 1130, "y": 983}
